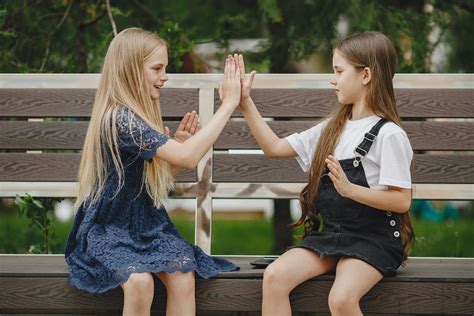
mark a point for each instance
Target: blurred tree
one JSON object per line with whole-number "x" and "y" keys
{"x": 72, "y": 35}
{"x": 459, "y": 25}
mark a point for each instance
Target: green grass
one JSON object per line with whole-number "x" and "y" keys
{"x": 445, "y": 239}
{"x": 252, "y": 236}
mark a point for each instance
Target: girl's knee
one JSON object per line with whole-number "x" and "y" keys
{"x": 342, "y": 299}
{"x": 179, "y": 282}
{"x": 275, "y": 277}
{"x": 139, "y": 282}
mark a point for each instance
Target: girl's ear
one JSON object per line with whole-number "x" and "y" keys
{"x": 366, "y": 76}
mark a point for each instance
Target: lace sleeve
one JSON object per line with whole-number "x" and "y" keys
{"x": 136, "y": 137}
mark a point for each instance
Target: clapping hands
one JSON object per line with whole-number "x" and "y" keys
{"x": 246, "y": 81}
{"x": 230, "y": 88}
{"x": 188, "y": 127}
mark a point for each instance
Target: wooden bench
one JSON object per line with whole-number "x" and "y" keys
{"x": 40, "y": 156}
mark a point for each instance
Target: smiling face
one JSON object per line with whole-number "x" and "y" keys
{"x": 348, "y": 81}
{"x": 155, "y": 70}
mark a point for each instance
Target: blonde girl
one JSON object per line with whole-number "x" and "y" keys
{"x": 121, "y": 233}
{"x": 354, "y": 207}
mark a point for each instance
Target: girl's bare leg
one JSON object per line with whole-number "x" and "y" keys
{"x": 138, "y": 293}
{"x": 180, "y": 293}
{"x": 354, "y": 278}
{"x": 291, "y": 269}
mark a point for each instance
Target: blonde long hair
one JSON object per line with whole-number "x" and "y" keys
{"x": 122, "y": 84}
{"x": 376, "y": 51}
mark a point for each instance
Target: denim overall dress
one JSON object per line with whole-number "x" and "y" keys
{"x": 352, "y": 229}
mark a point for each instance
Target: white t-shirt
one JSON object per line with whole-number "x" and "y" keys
{"x": 387, "y": 162}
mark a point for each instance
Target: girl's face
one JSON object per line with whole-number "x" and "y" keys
{"x": 155, "y": 70}
{"x": 348, "y": 81}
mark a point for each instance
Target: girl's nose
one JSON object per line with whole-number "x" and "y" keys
{"x": 164, "y": 77}
{"x": 333, "y": 81}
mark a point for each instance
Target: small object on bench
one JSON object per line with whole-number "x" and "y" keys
{"x": 262, "y": 263}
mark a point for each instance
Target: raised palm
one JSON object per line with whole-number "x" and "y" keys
{"x": 188, "y": 127}
{"x": 246, "y": 81}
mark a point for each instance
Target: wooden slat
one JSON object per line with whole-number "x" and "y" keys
{"x": 40, "y": 283}
{"x": 258, "y": 168}
{"x": 78, "y": 102}
{"x": 417, "y": 269}
{"x": 51, "y": 167}
{"x": 236, "y": 135}
{"x": 234, "y": 190}
{"x": 454, "y": 103}
{"x": 423, "y": 135}
{"x": 48, "y": 135}
{"x": 28, "y": 295}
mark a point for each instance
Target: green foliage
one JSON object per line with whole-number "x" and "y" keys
{"x": 271, "y": 10}
{"x": 64, "y": 36}
{"x": 178, "y": 44}
{"x": 250, "y": 236}
{"x": 405, "y": 23}
{"x": 41, "y": 215}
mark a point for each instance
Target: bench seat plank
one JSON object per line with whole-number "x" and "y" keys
{"x": 425, "y": 285}
{"x": 416, "y": 270}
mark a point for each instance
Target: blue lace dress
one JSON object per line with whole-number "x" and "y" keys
{"x": 123, "y": 234}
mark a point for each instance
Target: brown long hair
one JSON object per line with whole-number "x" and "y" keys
{"x": 376, "y": 51}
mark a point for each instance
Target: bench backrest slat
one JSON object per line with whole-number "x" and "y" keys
{"x": 424, "y": 135}
{"x": 48, "y": 135}
{"x": 26, "y": 135}
{"x": 58, "y": 167}
{"x": 412, "y": 103}
{"x": 78, "y": 102}
{"x": 256, "y": 168}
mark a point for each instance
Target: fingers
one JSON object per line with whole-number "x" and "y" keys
{"x": 251, "y": 77}
{"x": 241, "y": 67}
{"x": 192, "y": 122}
{"x": 232, "y": 68}
{"x": 334, "y": 167}
{"x": 231, "y": 86}
{"x": 184, "y": 121}
{"x": 167, "y": 131}
{"x": 227, "y": 69}
{"x": 194, "y": 125}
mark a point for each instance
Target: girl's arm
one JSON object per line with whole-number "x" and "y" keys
{"x": 188, "y": 153}
{"x": 188, "y": 126}
{"x": 394, "y": 199}
{"x": 271, "y": 144}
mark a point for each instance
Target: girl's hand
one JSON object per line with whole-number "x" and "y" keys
{"x": 246, "y": 81}
{"x": 229, "y": 91}
{"x": 341, "y": 183}
{"x": 188, "y": 127}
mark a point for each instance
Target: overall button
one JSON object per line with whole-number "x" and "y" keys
{"x": 389, "y": 214}
{"x": 396, "y": 234}
{"x": 392, "y": 223}
{"x": 355, "y": 163}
